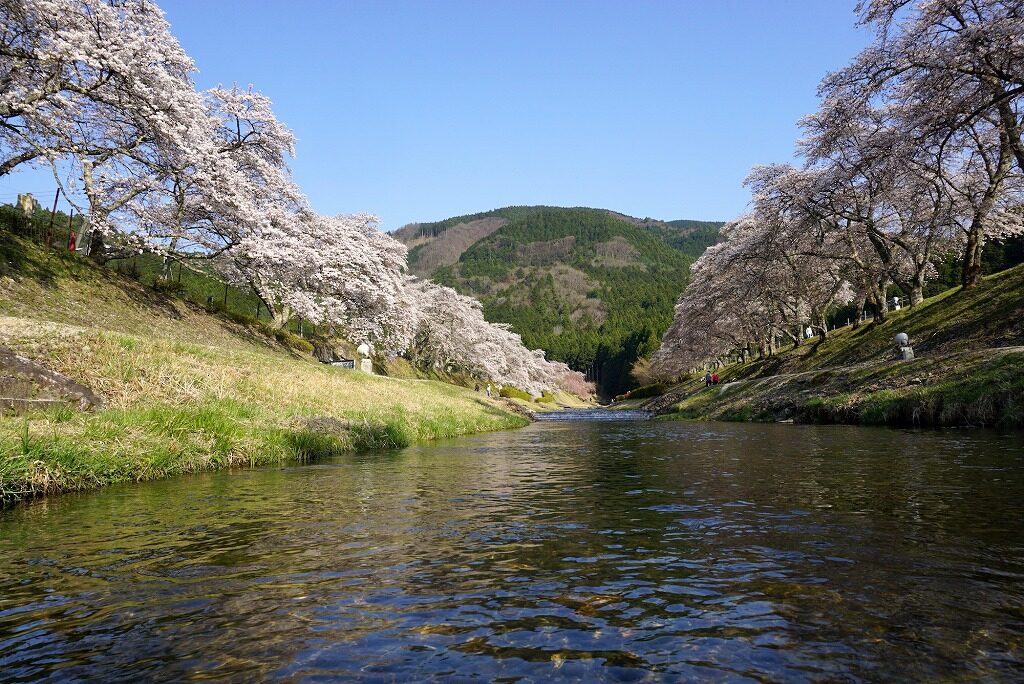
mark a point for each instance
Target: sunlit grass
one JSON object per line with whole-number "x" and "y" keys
{"x": 175, "y": 408}
{"x": 186, "y": 390}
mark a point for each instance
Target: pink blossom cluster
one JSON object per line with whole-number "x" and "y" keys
{"x": 915, "y": 154}
{"x": 102, "y": 92}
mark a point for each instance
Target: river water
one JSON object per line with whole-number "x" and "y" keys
{"x": 566, "y": 551}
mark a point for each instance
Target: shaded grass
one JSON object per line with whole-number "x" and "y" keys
{"x": 989, "y": 315}
{"x": 963, "y": 375}
{"x": 982, "y": 388}
{"x": 991, "y": 395}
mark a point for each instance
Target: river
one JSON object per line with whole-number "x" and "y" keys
{"x": 565, "y": 551}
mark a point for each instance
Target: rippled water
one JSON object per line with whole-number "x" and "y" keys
{"x": 587, "y": 551}
{"x": 591, "y": 415}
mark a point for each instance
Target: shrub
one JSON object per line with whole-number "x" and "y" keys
{"x": 513, "y": 393}
{"x": 168, "y": 287}
{"x": 545, "y": 398}
{"x": 287, "y": 338}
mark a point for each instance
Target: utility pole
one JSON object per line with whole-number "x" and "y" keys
{"x": 53, "y": 212}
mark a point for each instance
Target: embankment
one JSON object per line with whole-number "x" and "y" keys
{"x": 968, "y": 370}
{"x": 181, "y": 389}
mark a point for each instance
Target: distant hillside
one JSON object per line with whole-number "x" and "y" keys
{"x": 592, "y": 287}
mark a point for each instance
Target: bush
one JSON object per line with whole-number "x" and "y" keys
{"x": 287, "y": 338}
{"x": 545, "y": 398}
{"x": 168, "y": 287}
{"x": 647, "y": 391}
{"x": 513, "y": 393}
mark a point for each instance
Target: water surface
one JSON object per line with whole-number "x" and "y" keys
{"x": 631, "y": 551}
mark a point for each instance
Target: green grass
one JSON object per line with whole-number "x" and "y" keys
{"x": 514, "y": 393}
{"x": 966, "y": 372}
{"x": 186, "y": 390}
{"x": 990, "y": 394}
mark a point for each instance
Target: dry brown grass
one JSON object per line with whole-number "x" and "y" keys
{"x": 186, "y": 390}
{"x": 176, "y": 406}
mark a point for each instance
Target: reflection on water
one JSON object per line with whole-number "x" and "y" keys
{"x": 599, "y": 414}
{"x": 615, "y": 551}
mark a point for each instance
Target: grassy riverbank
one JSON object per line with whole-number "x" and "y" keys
{"x": 968, "y": 370}
{"x": 185, "y": 390}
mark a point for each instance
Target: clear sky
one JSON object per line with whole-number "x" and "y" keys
{"x": 418, "y": 111}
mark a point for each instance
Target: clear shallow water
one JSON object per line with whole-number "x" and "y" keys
{"x": 565, "y": 551}
{"x": 600, "y": 414}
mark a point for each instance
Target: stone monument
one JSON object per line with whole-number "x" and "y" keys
{"x": 365, "y": 363}
{"x": 904, "y": 351}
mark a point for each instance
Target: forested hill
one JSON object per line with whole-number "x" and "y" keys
{"x": 592, "y": 287}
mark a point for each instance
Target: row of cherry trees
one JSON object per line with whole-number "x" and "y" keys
{"x": 915, "y": 155}
{"x": 101, "y": 92}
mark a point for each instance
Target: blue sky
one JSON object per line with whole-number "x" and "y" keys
{"x": 418, "y": 111}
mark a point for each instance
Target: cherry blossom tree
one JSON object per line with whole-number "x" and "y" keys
{"x": 208, "y": 202}
{"x": 948, "y": 63}
{"x": 452, "y": 334}
{"x": 335, "y": 270}
{"x": 102, "y": 91}
{"x": 953, "y": 71}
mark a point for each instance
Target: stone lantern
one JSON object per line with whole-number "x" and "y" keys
{"x": 365, "y": 364}
{"x": 904, "y": 351}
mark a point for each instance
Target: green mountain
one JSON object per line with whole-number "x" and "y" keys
{"x": 592, "y": 287}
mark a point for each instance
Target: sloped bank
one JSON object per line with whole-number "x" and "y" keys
{"x": 179, "y": 390}
{"x": 968, "y": 372}
{"x": 982, "y": 389}
{"x": 175, "y": 407}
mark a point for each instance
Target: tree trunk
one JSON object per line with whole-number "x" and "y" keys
{"x": 280, "y": 317}
{"x": 861, "y": 303}
{"x": 165, "y": 271}
{"x": 881, "y": 305}
{"x": 917, "y": 289}
{"x": 971, "y": 274}
{"x": 97, "y": 248}
{"x": 1010, "y": 126}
